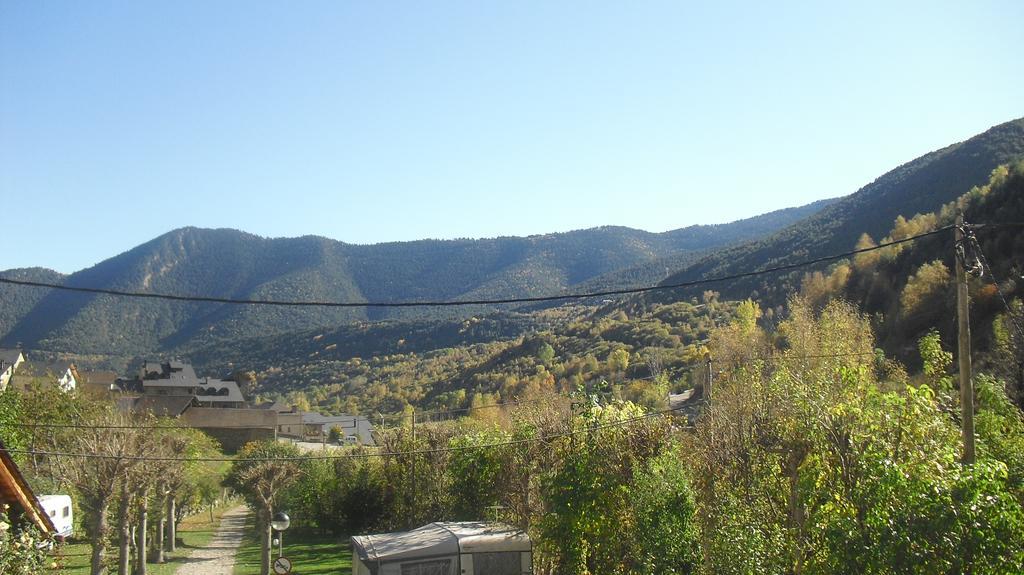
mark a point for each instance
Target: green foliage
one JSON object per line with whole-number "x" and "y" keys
{"x": 618, "y": 360}
{"x": 747, "y": 314}
{"x": 545, "y": 353}
{"x": 664, "y": 536}
{"x": 815, "y": 466}
{"x": 13, "y": 436}
{"x": 590, "y": 349}
{"x": 999, "y": 426}
{"x": 310, "y": 499}
{"x": 476, "y": 474}
{"x": 263, "y": 470}
{"x": 589, "y": 496}
{"x": 936, "y": 361}
{"x": 22, "y": 548}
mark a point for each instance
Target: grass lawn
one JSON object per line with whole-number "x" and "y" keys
{"x": 311, "y": 554}
{"x": 195, "y": 531}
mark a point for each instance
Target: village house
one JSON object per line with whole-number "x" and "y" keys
{"x": 63, "y": 374}
{"x": 98, "y": 383}
{"x": 10, "y": 359}
{"x": 314, "y": 427}
{"x": 222, "y": 393}
{"x": 215, "y": 406}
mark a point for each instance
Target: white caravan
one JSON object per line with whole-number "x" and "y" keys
{"x": 58, "y": 507}
{"x": 467, "y": 548}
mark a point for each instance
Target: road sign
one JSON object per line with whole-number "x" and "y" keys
{"x": 282, "y": 566}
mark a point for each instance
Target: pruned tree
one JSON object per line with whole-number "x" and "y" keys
{"x": 260, "y": 474}
{"x": 102, "y": 457}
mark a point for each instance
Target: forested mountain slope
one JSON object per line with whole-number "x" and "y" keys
{"x": 920, "y": 186}
{"x": 908, "y": 289}
{"x": 642, "y": 352}
{"x": 232, "y": 264}
{"x": 16, "y": 302}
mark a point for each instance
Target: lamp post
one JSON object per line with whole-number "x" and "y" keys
{"x": 279, "y": 523}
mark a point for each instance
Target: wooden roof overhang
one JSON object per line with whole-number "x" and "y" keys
{"x": 14, "y": 490}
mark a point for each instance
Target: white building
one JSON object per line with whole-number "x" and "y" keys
{"x": 63, "y": 374}
{"x": 10, "y": 359}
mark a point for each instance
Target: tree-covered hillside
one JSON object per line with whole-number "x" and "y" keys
{"x": 389, "y": 367}
{"x": 232, "y": 264}
{"x": 17, "y": 301}
{"x": 643, "y": 350}
{"x": 908, "y": 289}
{"x": 920, "y": 186}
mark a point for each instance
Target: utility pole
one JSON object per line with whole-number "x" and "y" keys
{"x": 964, "y": 344}
{"x": 707, "y": 379}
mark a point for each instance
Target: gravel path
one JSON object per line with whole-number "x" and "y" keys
{"x": 218, "y": 557}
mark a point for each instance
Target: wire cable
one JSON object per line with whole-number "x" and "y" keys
{"x": 999, "y": 289}
{"x": 399, "y": 304}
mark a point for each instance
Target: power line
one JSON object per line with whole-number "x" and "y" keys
{"x": 363, "y": 455}
{"x": 995, "y": 282}
{"x": 123, "y": 426}
{"x": 996, "y": 225}
{"x": 624, "y": 291}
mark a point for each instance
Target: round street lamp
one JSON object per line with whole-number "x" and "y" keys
{"x": 280, "y": 521}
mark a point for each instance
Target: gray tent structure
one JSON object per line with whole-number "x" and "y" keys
{"x": 466, "y": 548}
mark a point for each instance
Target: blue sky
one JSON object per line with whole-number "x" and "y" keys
{"x": 386, "y": 121}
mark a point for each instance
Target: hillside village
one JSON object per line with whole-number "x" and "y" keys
{"x": 173, "y": 390}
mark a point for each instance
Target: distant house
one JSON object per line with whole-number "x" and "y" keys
{"x": 219, "y": 393}
{"x": 307, "y": 426}
{"x": 158, "y": 405}
{"x": 101, "y": 383}
{"x": 10, "y": 359}
{"x": 215, "y": 406}
{"x": 171, "y": 378}
{"x": 63, "y": 374}
{"x": 16, "y": 493}
{"x": 166, "y": 370}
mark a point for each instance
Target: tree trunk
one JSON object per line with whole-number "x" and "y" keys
{"x": 172, "y": 531}
{"x": 124, "y": 530}
{"x": 143, "y": 518}
{"x": 265, "y": 537}
{"x": 158, "y": 548}
{"x": 99, "y": 539}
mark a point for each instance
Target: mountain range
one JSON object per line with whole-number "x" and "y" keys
{"x": 233, "y": 264}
